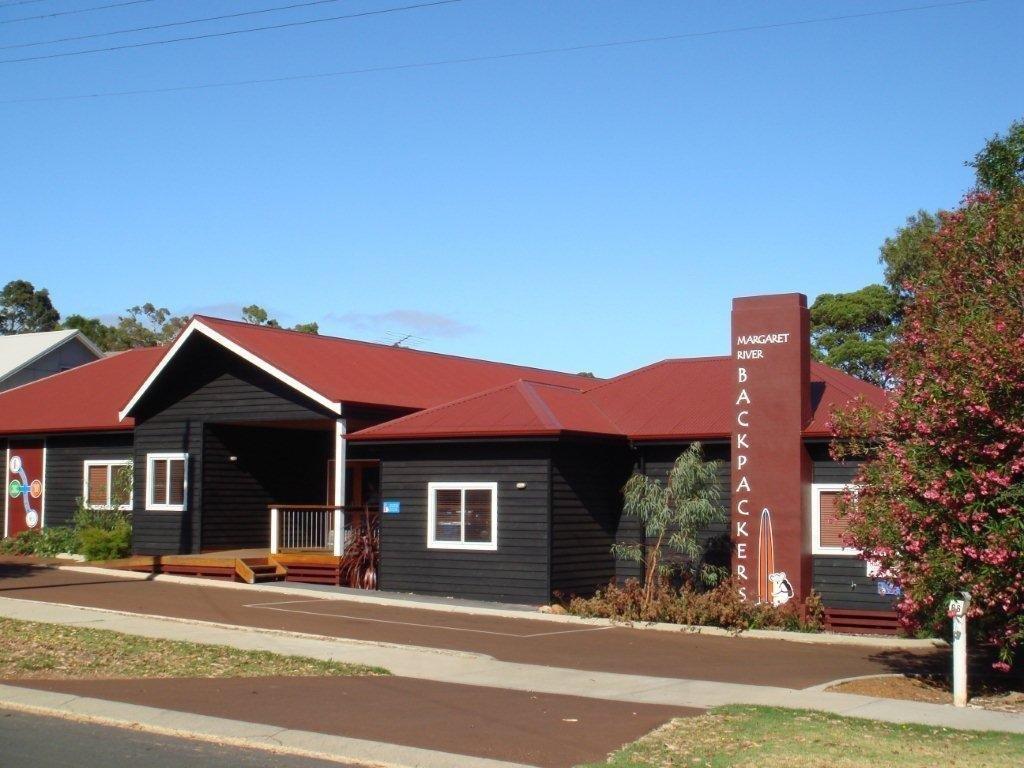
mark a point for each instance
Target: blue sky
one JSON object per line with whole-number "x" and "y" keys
{"x": 594, "y": 210}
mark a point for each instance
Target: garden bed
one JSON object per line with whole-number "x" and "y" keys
{"x": 994, "y": 694}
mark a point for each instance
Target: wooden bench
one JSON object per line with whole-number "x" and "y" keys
{"x": 858, "y": 622}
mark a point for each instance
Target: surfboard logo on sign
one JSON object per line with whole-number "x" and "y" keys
{"x": 765, "y": 557}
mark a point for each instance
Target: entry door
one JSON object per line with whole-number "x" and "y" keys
{"x": 362, "y": 483}
{"x": 23, "y": 489}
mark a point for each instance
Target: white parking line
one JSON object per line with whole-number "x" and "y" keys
{"x": 279, "y": 606}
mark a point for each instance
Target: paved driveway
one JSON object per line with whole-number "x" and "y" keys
{"x": 527, "y": 641}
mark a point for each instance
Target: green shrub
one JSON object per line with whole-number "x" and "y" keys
{"x": 105, "y": 519}
{"x": 717, "y": 607}
{"x": 106, "y": 544}
{"x": 45, "y": 542}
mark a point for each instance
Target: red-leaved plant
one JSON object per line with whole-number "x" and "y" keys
{"x": 362, "y": 554}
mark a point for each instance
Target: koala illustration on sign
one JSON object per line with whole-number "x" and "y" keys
{"x": 782, "y": 590}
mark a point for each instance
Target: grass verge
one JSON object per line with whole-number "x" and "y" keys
{"x": 773, "y": 737}
{"x": 30, "y": 649}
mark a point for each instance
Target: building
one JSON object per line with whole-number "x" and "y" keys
{"x": 494, "y": 481}
{"x": 25, "y": 357}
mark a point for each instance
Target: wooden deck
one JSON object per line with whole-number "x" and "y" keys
{"x": 250, "y": 566}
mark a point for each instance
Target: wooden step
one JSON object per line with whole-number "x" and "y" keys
{"x": 857, "y": 622}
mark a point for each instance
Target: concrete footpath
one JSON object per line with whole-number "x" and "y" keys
{"x": 476, "y": 669}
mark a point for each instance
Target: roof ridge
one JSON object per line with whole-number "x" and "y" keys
{"x": 442, "y": 406}
{"x": 537, "y": 405}
{"x": 650, "y": 366}
{"x": 838, "y": 378}
{"x": 378, "y": 345}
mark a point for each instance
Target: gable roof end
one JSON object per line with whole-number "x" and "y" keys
{"x": 196, "y": 325}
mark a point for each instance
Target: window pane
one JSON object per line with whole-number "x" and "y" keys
{"x": 832, "y": 528}
{"x": 478, "y": 516}
{"x": 159, "y": 481}
{"x": 448, "y": 515}
{"x": 97, "y": 485}
{"x": 121, "y": 485}
{"x": 176, "y": 491}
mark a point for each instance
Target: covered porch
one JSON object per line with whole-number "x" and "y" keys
{"x": 280, "y": 501}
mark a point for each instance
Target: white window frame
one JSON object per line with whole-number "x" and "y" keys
{"x": 109, "y": 464}
{"x": 816, "y": 491}
{"x": 151, "y": 459}
{"x": 486, "y": 546}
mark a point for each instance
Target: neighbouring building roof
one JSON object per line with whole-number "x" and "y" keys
{"x": 19, "y": 351}
{"x": 84, "y": 399}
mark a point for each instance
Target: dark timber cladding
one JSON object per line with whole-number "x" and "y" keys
{"x": 246, "y": 469}
{"x": 586, "y": 508}
{"x": 65, "y": 468}
{"x": 518, "y": 571}
{"x": 842, "y": 580}
{"x": 657, "y": 460}
{"x": 203, "y": 384}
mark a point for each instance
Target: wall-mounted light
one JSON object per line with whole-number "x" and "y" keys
{"x": 520, "y": 485}
{"x": 232, "y": 458}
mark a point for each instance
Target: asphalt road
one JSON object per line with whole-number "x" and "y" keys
{"x": 35, "y": 741}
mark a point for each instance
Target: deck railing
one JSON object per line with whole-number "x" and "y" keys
{"x": 311, "y": 527}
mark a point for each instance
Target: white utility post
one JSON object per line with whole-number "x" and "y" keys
{"x": 958, "y": 612}
{"x": 340, "y": 444}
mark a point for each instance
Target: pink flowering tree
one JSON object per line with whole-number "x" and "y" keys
{"x": 941, "y": 504}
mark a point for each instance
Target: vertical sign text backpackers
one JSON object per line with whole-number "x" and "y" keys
{"x": 770, "y": 466}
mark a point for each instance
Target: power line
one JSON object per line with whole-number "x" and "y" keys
{"x": 168, "y": 24}
{"x": 228, "y": 33}
{"x": 69, "y": 13}
{"x": 498, "y": 56}
{"x": 19, "y": 2}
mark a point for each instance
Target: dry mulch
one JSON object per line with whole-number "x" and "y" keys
{"x": 998, "y": 696}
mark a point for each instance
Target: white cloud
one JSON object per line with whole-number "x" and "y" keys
{"x": 430, "y": 324}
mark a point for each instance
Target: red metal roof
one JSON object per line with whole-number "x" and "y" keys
{"x": 837, "y": 389}
{"x": 689, "y": 397}
{"x": 454, "y": 396}
{"x": 348, "y": 371}
{"x": 670, "y": 400}
{"x": 84, "y": 399}
{"x": 518, "y": 408}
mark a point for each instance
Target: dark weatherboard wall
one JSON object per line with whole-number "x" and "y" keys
{"x": 246, "y": 469}
{"x": 65, "y": 468}
{"x": 842, "y": 580}
{"x": 554, "y": 534}
{"x": 204, "y": 384}
{"x": 518, "y": 571}
{"x": 655, "y": 462}
{"x": 586, "y": 512}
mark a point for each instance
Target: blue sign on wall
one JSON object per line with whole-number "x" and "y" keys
{"x": 889, "y": 588}
{"x": 391, "y": 507}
